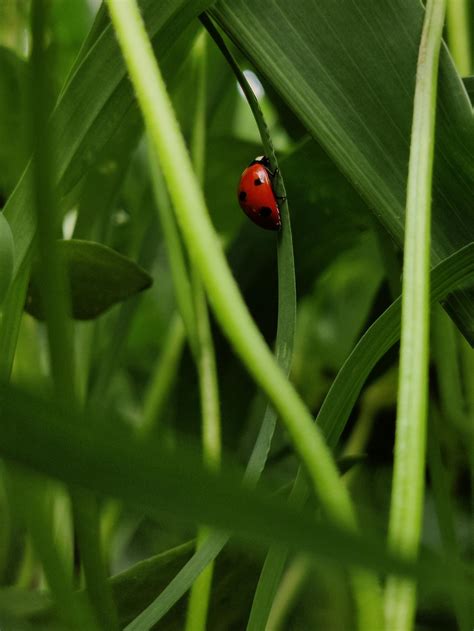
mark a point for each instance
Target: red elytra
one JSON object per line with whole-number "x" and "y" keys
{"x": 256, "y": 196}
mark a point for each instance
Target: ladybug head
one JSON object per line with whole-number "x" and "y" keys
{"x": 263, "y": 160}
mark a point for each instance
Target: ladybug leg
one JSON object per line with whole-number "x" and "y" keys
{"x": 273, "y": 175}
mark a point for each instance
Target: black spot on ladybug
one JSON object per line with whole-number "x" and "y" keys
{"x": 258, "y": 182}
{"x": 242, "y": 196}
{"x": 264, "y": 211}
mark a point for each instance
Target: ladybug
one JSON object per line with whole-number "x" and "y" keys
{"x": 256, "y": 196}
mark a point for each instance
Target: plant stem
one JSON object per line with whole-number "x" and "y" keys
{"x": 457, "y": 19}
{"x": 409, "y": 466}
{"x": 56, "y": 304}
{"x": 467, "y": 370}
{"x": 445, "y": 353}
{"x": 445, "y": 511}
{"x": 27, "y": 495}
{"x": 177, "y": 261}
{"x": 163, "y": 375}
{"x": 12, "y": 311}
{"x": 467, "y": 359}
{"x": 205, "y": 358}
{"x": 288, "y": 591}
{"x": 252, "y": 100}
{"x": 276, "y": 558}
{"x": 286, "y": 322}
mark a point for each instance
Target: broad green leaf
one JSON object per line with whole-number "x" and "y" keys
{"x": 99, "y": 277}
{"x": 101, "y": 454}
{"x": 347, "y": 70}
{"x": 105, "y": 456}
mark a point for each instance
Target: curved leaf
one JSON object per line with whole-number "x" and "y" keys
{"x": 457, "y": 270}
{"x": 102, "y": 454}
{"x": 347, "y": 70}
{"x": 7, "y": 257}
{"x": 99, "y": 277}
{"x": 469, "y": 85}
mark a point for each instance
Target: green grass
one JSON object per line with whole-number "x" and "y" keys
{"x": 178, "y": 460}
{"x": 406, "y": 507}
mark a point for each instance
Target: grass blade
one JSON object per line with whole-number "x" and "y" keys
{"x": 181, "y": 583}
{"x": 196, "y": 615}
{"x": 445, "y": 511}
{"x": 445, "y": 354}
{"x": 56, "y": 303}
{"x": 379, "y": 338}
{"x": 286, "y": 267}
{"x": 406, "y": 508}
{"x": 164, "y": 374}
{"x": 70, "y": 447}
{"x": 457, "y": 19}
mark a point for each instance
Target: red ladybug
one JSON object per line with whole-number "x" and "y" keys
{"x": 256, "y": 196}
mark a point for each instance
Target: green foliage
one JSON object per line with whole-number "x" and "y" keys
{"x": 469, "y": 84}
{"x": 7, "y": 257}
{"x": 12, "y": 119}
{"x": 336, "y": 103}
{"x": 98, "y": 276}
{"x": 360, "y": 110}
